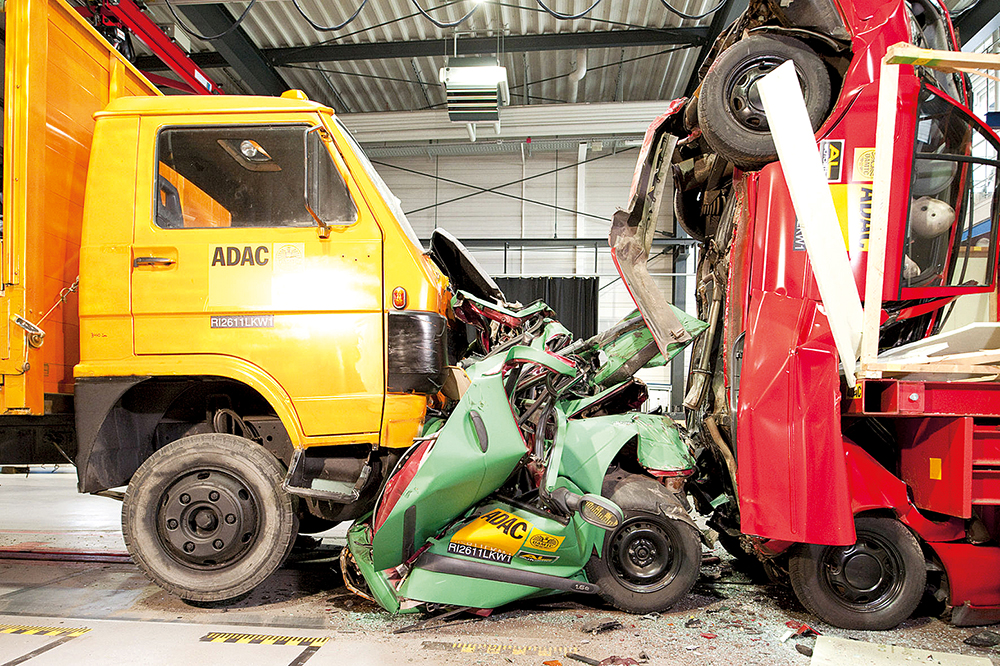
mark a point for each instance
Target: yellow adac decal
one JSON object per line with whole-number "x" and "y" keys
{"x": 240, "y": 275}
{"x": 495, "y": 530}
{"x": 497, "y": 535}
{"x": 540, "y": 540}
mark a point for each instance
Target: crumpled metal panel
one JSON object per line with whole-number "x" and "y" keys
{"x": 632, "y": 231}
{"x": 793, "y": 478}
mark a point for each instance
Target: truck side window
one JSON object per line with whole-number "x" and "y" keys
{"x": 952, "y": 223}
{"x": 243, "y": 176}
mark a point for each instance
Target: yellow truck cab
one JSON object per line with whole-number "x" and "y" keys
{"x": 259, "y": 327}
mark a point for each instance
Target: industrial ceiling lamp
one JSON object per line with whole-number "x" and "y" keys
{"x": 476, "y": 88}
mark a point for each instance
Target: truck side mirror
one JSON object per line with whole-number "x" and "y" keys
{"x": 325, "y": 192}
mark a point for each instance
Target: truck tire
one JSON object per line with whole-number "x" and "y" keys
{"x": 205, "y": 517}
{"x": 650, "y": 561}
{"x": 730, "y": 113}
{"x": 872, "y": 585}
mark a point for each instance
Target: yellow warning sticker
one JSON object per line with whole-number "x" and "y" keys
{"x": 263, "y": 639}
{"x": 42, "y": 631}
{"x": 537, "y": 557}
{"x": 936, "y": 469}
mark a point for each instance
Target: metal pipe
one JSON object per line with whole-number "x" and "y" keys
{"x": 724, "y": 450}
{"x": 701, "y": 373}
{"x": 577, "y": 75}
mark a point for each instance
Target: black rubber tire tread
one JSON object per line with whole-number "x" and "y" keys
{"x": 815, "y": 593}
{"x": 257, "y": 468}
{"x": 731, "y": 545}
{"x": 745, "y": 148}
{"x": 684, "y": 538}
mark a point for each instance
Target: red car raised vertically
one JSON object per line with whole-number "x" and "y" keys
{"x": 862, "y": 496}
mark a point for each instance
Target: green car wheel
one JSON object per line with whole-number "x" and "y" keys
{"x": 650, "y": 561}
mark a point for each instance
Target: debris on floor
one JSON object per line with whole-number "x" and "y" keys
{"x": 985, "y": 638}
{"x": 601, "y": 625}
{"x": 796, "y": 629}
{"x": 830, "y": 651}
{"x": 618, "y": 661}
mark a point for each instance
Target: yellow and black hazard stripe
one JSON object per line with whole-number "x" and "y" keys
{"x": 71, "y": 632}
{"x": 263, "y": 639}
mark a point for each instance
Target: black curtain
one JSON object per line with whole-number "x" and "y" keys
{"x": 574, "y": 300}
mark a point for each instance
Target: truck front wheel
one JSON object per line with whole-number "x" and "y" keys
{"x": 205, "y": 517}
{"x": 873, "y": 584}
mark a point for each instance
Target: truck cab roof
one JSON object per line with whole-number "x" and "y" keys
{"x": 211, "y": 104}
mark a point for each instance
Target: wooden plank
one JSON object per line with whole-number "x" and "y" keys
{"x": 970, "y": 358}
{"x": 934, "y": 368}
{"x": 907, "y": 54}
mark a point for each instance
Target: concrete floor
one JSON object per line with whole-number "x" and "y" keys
{"x": 58, "y": 612}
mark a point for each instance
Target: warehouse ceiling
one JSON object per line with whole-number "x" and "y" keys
{"x": 385, "y": 54}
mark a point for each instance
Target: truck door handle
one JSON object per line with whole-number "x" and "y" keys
{"x": 152, "y": 261}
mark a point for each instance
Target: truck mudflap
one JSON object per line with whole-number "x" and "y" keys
{"x": 102, "y": 461}
{"x": 418, "y": 352}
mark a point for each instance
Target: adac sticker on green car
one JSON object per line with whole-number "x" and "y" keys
{"x": 537, "y": 557}
{"x": 497, "y": 535}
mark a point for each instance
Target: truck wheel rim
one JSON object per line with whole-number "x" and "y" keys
{"x": 742, "y": 96}
{"x": 865, "y": 577}
{"x": 207, "y": 519}
{"x": 642, "y": 556}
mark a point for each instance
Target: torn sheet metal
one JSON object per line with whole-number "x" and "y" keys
{"x": 633, "y": 228}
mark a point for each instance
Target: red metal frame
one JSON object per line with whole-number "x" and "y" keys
{"x": 195, "y": 80}
{"x": 801, "y": 480}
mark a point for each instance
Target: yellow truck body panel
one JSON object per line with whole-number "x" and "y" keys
{"x": 59, "y": 73}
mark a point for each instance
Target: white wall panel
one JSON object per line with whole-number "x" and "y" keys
{"x": 491, "y": 216}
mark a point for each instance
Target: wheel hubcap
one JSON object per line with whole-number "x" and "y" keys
{"x": 642, "y": 556}
{"x": 207, "y": 519}
{"x": 865, "y": 577}
{"x": 742, "y": 94}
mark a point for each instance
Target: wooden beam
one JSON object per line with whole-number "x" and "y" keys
{"x": 907, "y": 54}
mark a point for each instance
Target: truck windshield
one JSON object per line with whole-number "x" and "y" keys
{"x": 390, "y": 199}
{"x": 951, "y": 230}
{"x": 245, "y": 176}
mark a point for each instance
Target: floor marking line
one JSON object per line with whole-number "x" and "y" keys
{"x": 498, "y": 648}
{"x": 45, "y": 648}
{"x": 29, "y": 630}
{"x": 262, "y": 639}
{"x": 29, "y": 588}
{"x": 305, "y": 655}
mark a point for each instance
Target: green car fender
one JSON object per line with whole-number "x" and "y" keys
{"x": 592, "y": 444}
